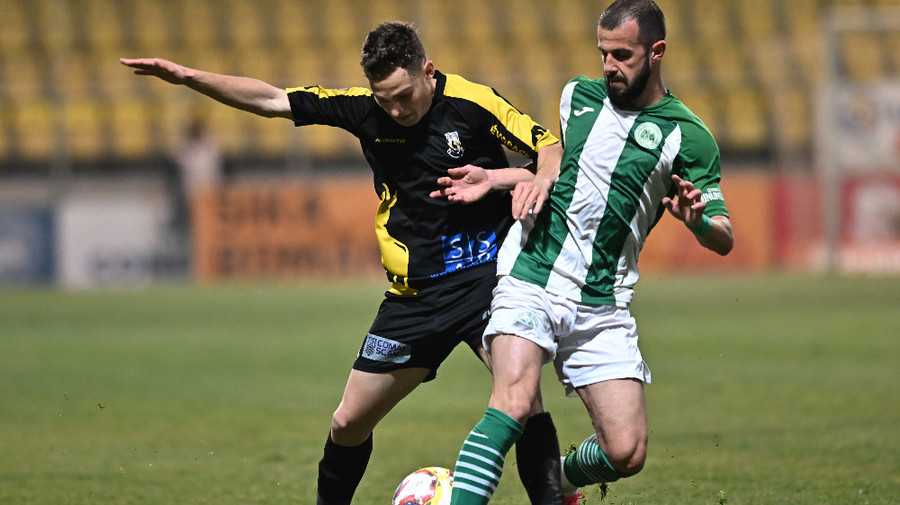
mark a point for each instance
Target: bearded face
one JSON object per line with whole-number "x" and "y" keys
{"x": 624, "y": 89}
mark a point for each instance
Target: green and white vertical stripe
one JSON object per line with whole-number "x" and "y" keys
{"x": 615, "y": 171}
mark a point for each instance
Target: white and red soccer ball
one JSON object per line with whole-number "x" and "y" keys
{"x": 426, "y": 486}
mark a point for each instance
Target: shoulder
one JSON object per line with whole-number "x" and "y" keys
{"x": 587, "y": 84}
{"x": 689, "y": 122}
{"x": 320, "y": 92}
{"x": 696, "y": 136}
{"x": 474, "y": 98}
{"x": 460, "y": 87}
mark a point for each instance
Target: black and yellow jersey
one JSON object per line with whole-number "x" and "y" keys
{"x": 423, "y": 239}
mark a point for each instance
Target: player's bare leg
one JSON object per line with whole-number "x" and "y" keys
{"x": 537, "y": 451}
{"x": 368, "y": 397}
{"x": 618, "y": 447}
{"x": 514, "y": 398}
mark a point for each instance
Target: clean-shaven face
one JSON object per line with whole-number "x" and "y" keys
{"x": 405, "y": 96}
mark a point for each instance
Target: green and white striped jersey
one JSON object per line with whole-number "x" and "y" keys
{"x": 616, "y": 169}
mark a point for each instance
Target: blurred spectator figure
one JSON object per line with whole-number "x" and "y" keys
{"x": 199, "y": 160}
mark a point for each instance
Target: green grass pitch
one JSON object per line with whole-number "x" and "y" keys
{"x": 771, "y": 389}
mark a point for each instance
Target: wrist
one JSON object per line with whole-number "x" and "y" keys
{"x": 702, "y": 228}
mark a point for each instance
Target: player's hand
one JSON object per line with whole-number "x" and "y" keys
{"x": 464, "y": 184}
{"x": 164, "y": 69}
{"x": 529, "y": 197}
{"x": 687, "y": 205}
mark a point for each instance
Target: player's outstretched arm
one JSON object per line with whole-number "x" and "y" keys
{"x": 532, "y": 186}
{"x": 471, "y": 183}
{"x": 713, "y": 233}
{"x": 243, "y": 93}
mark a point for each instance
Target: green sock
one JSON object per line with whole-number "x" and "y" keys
{"x": 588, "y": 465}
{"x": 481, "y": 458}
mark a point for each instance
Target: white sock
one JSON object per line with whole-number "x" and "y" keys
{"x": 568, "y": 488}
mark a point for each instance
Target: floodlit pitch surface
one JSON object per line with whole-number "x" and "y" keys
{"x": 767, "y": 390}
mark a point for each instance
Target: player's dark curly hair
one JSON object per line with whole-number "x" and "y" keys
{"x": 650, "y": 19}
{"x": 391, "y": 46}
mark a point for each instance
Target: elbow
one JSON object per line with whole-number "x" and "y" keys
{"x": 724, "y": 249}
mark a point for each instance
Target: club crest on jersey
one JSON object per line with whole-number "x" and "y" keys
{"x": 455, "y": 148}
{"x": 648, "y": 135}
{"x": 527, "y": 319}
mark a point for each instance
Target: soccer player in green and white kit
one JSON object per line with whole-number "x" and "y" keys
{"x": 632, "y": 150}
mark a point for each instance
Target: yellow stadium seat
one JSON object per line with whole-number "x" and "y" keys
{"x": 272, "y": 136}
{"x": 199, "y": 30}
{"x": 231, "y": 127}
{"x": 292, "y": 25}
{"x": 102, "y": 24}
{"x": 791, "y": 116}
{"x": 77, "y": 81}
{"x": 745, "y": 116}
{"x": 680, "y": 66}
{"x": 35, "y": 128}
{"x": 476, "y": 22}
{"x": 375, "y": 12}
{"x": 131, "y": 121}
{"x": 245, "y": 23}
{"x": 85, "y": 134}
{"x": 154, "y": 26}
{"x": 14, "y": 33}
{"x": 23, "y": 76}
{"x": 338, "y": 19}
{"x": 757, "y": 19}
{"x": 322, "y": 141}
{"x": 860, "y": 56}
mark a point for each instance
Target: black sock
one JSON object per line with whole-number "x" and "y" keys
{"x": 537, "y": 455}
{"x": 340, "y": 470}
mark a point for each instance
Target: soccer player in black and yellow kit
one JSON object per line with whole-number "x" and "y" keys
{"x": 415, "y": 125}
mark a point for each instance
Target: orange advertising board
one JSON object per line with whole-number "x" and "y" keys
{"x": 325, "y": 228}
{"x": 276, "y": 230}
{"x": 749, "y": 197}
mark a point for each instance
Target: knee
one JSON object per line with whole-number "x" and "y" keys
{"x": 346, "y": 430}
{"x": 518, "y": 407}
{"x": 627, "y": 456}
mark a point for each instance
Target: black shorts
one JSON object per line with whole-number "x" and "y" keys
{"x": 419, "y": 331}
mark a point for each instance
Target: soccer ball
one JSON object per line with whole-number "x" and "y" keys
{"x": 426, "y": 486}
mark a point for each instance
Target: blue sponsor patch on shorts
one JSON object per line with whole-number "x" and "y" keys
{"x": 378, "y": 348}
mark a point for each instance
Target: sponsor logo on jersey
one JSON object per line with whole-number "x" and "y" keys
{"x": 583, "y": 110}
{"x": 508, "y": 143}
{"x": 712, "y": 194}
{"x": 456, "y": 149}
{"x": 378, "y": 348}
{"x": 648, "y": 135}
{"x": 469, "y": 248}
{"x": 382, "y": 140}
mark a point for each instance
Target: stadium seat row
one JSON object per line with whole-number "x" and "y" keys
{"x": 748, "y": 67}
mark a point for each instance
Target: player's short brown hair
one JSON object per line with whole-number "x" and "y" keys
{"x": 649, "y": 18}
{"x": 391, "y": 46}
